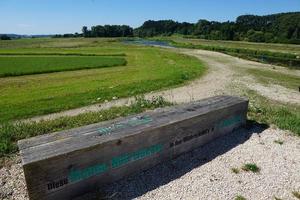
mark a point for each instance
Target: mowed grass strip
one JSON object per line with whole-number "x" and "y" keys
{"x": 26, "y": 65}
{"x": 57, "y": 54}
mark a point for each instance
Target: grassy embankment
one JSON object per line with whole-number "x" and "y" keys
{"x": 278, "y": 54}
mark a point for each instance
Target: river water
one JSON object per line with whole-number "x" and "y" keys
{"x": 148, "y": 43}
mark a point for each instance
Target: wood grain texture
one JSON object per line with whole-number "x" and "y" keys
{"x": 66, "y": 164}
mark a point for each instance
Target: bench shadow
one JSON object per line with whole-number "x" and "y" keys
{"x": 148, "y": 180}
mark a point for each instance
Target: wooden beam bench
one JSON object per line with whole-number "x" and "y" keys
{"x": 66, "y": 164}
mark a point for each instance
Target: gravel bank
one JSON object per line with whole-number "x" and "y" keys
{"x": 205, "y": 173}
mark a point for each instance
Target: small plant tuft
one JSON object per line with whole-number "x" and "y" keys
{"x": 235, "y": 170}
{"x": 251, "y": 167}
{"x": 278, "y": 142}
{"x": 240, "y": 197}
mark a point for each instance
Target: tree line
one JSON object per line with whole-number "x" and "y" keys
{"x": 108, "y": 31}
{"x": 281, "y": 28}
{"x": 275, "y": 28}
{"x": 4, "y": 37}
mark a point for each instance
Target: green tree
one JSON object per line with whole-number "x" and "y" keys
{"x": 5, "y": 37}
{"x": 85, "y": 31}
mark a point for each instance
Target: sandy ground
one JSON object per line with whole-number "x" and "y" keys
{"x": 204, "y": 173}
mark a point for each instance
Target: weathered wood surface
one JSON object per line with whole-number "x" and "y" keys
{"x": 66, "y": 164}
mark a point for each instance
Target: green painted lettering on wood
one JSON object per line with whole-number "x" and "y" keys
{"x": 82, "y": 174}
{"x": 137, "y": 155}
{"x": 78, "y": 175}
{"x": 230, "y": 121}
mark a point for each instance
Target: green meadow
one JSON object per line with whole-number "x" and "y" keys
{"x": 147, "y": 69}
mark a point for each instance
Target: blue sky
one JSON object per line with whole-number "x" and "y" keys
{"x": 68, "y": 16}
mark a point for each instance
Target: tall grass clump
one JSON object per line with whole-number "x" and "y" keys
{"x": 284, "y": 116}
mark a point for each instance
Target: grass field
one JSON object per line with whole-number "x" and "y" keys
{"x": 147, "y": 69}
{"x": 277, "y": 54}
{"x": 269, "y": 77}
{"x": 25, "y": 65}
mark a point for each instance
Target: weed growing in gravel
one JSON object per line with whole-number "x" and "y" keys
{"x": 278, "y": 142}
{"x": 296, "y": 194}
{"x": 240, "y": 197}
{"x": 251, "y": 167}
{"x": 10, "y": 133}
{"x": 235, "y": 170}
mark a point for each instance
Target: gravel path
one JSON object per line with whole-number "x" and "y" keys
{"x": 223, "y": 71}
{"x": 204, "y": 173}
